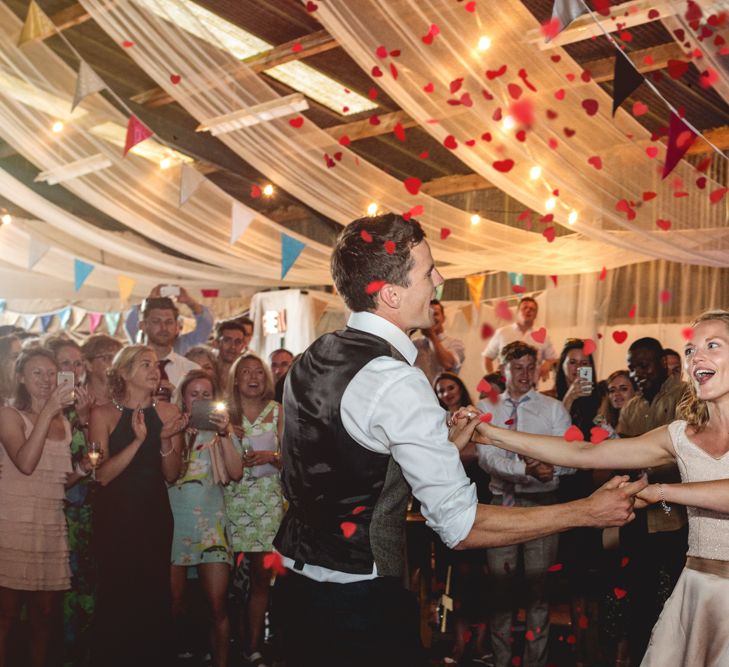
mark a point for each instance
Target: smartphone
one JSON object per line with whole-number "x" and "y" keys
{"x": 169, "y": 290}
{"x": 66, "y": 377}
{"x": 585, "y": 373}
{"x": 200, "y": 415}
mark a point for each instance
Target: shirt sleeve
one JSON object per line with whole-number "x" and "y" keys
{"x": 204, "y": 321}
{"x": 548, "y": 351}
{"x": 497, "y": 461}
{"x": 390, "y": 407}
{"x": 131, "y": 324}
{"x": 493, "y": 346}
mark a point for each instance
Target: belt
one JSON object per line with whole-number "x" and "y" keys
{"x": 708, "y": 566}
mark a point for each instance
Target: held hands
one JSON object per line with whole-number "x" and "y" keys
{"x": 648, "y": 496}
{"x": 544, "y": 472}
{"x": 613, "y": 503}
{"x": 462, "y": 425}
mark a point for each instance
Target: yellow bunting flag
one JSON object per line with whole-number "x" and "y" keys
{"x": 37, "y": 25}
{"x": 475, "y": 287}
{"x": 126, "y": 285}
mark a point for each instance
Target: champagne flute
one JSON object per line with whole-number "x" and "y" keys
{"x": 94, "y": 454}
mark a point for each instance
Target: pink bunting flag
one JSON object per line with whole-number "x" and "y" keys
{"x": 94, "y": 320}
{"x": 680, "y": 138}
{"x": 137, "y": 132}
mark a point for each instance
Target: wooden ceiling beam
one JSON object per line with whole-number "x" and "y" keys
{"x": 312, "y": 44}
{"x": 645, "y": 60}
{"x": 451, "y": 185}
{"x": 69, "y": 17}
{"x": 363, "y": 129}
{"x": 719, "y": 136}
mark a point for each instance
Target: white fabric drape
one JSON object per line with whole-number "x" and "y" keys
{"x": 214, "y": 83}
{"x": 37, "y": 89}
{"x": 698, "y": 228}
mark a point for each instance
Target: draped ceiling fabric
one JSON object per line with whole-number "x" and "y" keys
{"x": 698, "y": 228}
{"x": 36, "y": 89}
{"x": 214, "y": 83}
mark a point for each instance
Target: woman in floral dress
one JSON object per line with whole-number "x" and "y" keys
{"x": 210, "y": 460}
{"x": 255, "y": 504}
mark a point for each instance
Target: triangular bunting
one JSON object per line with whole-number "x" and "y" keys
{"x": 566, "y": 11}
{"x": 439, "y": 291}
{"x": 240, "y": 217}
{"x": 475, "y": 287}
{"x": 94, "y": 321}
{"x": 64, "y": 317}
{"x": 190, "y": 180}
{"x": 37, "y": 24}
{"x": 112, "y": 322}
{"x": 516, "y": 278}
{"x": 28, "y": 322}
{"x": 467, "y": 312}
{"x": 3, "y": 303}
{"x": 290, "y": 250}
{"x": 88, "y": 82}
{"x": 36, "y": 250}
{"x": 625, "y": 80}
{"x": 81, "y": 271}
{"x": 126, "y": 285}
{"x": 210, "y": 293}
{"x": 680, "y": 138}
{"x": 137, "y": 132}
{"x": 45, "y": 321}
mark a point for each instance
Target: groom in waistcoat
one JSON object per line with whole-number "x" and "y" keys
{"x": 362, "y": 430}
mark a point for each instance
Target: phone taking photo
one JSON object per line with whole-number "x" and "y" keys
{"x": 169, "y": 290}
{"x": 66, "y": 377}
{"x": 200, "y": 414}
{"x": 585, "y": 373}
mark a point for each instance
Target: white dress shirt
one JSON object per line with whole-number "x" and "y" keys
{"x": 540, "y": 415}
{"x": 178, "y": 367}
{"x": 389, "y": 408}
{"x": 511, "y": 333}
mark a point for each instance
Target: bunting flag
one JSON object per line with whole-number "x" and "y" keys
{"x": 210, "y": 293}
{"x": 112, "y": 322}
{"x": 81, "y": 271}
{"x": 467, "y": 314}
{"x": 28, "y": 321}
{"x": 516, "y": 278}
{"x": 566, "y": 11}
{"x": 190, "y": 180}
{"x": 680, "y": 138}
{"x": 137, "y": 132}
{"x": 37, "y": 24}
{"x": 240, "y": 217}
{"x": 126, "y": 285}
{"x": 64, "y": 317}
{"x": 36, "y": 250}
{"x": 88, "y": 82}
{"x": 3, "y": 303}
{"x": 45, "y": 321}
{"x": 94, "y": 321}
{"x": 475, "y": 287}
{"x": 290, "y": 250}
{"x": 625, "y": 80}
{"x": 439, "y": 291}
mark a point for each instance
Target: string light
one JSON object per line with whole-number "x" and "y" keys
{"x": 268, "y": 190}
{"x": 57, "y": 127}
{"x": 372, "y": 209}
{"x": 165, "y": 163}
{"x": 535, "y": 172}
{"x": 6, "y": 219}
{"x": 484, "y": 43}
{"x": 475, "y": 219}
{"x": 572, "y": 217}
{"x": 508, "y": 123}
{"x": 550, "y": 204}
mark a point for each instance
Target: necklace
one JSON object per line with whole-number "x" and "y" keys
{"x": 119, "y": 407}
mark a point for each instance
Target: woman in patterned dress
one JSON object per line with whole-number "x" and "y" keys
{"x": 255, "y": 504}
{"x": 210, "y": 460}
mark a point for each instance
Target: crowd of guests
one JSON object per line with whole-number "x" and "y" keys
{"x": 118, "y": 496}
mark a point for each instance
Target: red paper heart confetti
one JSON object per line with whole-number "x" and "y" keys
{"x": 549, "y": 234}
{"x": 503, "y": 166}
{"x": 647, "y": 196}
{"x": 588, "y": 346}
{"x": 412, "y": 184}
{"x": 571, "y": 640}
{"x": 273, "y": 561}
{"x": 450, "y": 142}
{"x": 557, "y": 567}
{"x": 624, "y": 207}
{"x": 492, "y": 74}
{"x": 311, "y": 6}
{"x": 502, "y": 311}
{"x": 428, "y": 87}
{"x": 515, "y": 91}
{"x": 640, "y": 109}
{"x": 597, "y": 435}
{"x": 554, "y": 280}
{"x": 595, "y": 161}
{"x": 296, "y": 48}
{"x": 348, "y": 528}
{"x": 487, "y": 331}
{"x": 522, "y": 112}
{"x": 175, "y": 78}
{"x": 603, "y": 273}
{"x": 529, "y": 635}
{"x": 624, "y": 561}
{"x": 653, "y": 14}
{"x": 677, "y": 68}
{"x": 583, "y": 622}
{"x": 374, "y": 287}
{"x": 602, "y": 7}
{"x": 376, "y": 71}
{"x": 708, "y": 78}
{"x": 455, "y": 85}
{"x": 390, "y": 247}
{"x": 539, "y": 335}
{"x": 381, "y": 52}
{"x": 444, "y": 233}
{"x": 632, "y": 311}
{"x": 399, "y": 132}
{"x": 590, "y": 106}
{"x": 717, "y": 195}
{"x": 620, "y": 336}
{"x": 486, "y": 417}
{"x": 296, "y": 122}
{"x": 366, "y": 236}
{"x": 358, "y": 510}
{"x": 551, "y": 28}
{"x": 559, "y": 94}
{"x": 516, "y": 661}
{"x": 665, "y": 295}
{"x": 573, "y": 434}
{"x": 569, "y": 132}
{"x": 241, "y": 557}
{"x": 665, "y": 225}
{"x": 483, "y": 387}
{"x": 619, "y": 593}
{"x": 470, "y": 6}
{"x": 127, "y": 44}
{"x": 687, "y": 333}
{"x": 509, "y": 422}
{"x": 518, "y": 289}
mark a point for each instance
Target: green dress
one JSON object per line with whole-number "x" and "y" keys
{"x": 78, "y": 602}
{"x": 254, "y": 505}
{"x": 199, "y": 511}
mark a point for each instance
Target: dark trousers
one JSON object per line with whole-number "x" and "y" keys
{"x": 358, "y": 625}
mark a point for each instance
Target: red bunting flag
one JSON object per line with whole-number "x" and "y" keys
{"x": 680, "y": 138}
{"x": 137, "y": 132}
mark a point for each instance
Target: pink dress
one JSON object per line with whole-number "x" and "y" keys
{"x": 33, "y": 535}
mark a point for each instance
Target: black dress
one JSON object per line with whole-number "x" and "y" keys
{"x": 132, "y": 542}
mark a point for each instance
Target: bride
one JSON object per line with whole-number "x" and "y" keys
{"x": 693, "y": 628}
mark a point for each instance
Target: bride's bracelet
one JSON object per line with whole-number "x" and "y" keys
{"x": 664, "y": 505}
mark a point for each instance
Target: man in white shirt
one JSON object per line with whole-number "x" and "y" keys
{"x": 363, "y": 428}
{"x": 160, "y": 323}
{"x": 522, "y": 483}
{"x": 523, "y": 330}
{"x": 438, "y": 352}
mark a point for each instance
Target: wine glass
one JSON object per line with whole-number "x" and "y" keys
{"x": 94, "y": 454}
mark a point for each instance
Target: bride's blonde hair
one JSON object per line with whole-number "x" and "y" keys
{"x": 691, "y": 407}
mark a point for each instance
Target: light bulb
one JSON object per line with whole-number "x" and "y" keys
{"x": 508, "y": 123}
{"x": 372, "y": 209}
{"x": 475, "y": 219}
{"x": 57, "y": 127}
{"x": 535, "y": 172}
{"x": 6, "y": 219}
{"x": 165, "y": 163}
{"x": 484, "y": 43}
{"x": 572, "y": 217}
{"x": 268, "y": 190}
{"x": 550, "y": 204}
